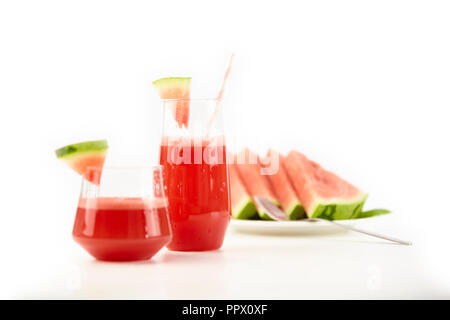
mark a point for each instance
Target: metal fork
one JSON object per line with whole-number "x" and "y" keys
{"x": 277, "y": 214}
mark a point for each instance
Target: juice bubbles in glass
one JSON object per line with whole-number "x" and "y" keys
{"x": 196, "y": 177}
{"x": 125, "y": 217}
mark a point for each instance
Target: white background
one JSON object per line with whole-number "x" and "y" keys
{"x": 362, "y": 87}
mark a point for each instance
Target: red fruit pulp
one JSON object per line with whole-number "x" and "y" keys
{"x": 121, "y": 229}
{"x": 196, "y": 183}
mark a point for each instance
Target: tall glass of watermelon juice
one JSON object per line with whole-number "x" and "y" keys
{"x": 193, "y": 155}
{"x": 124, "y": 217}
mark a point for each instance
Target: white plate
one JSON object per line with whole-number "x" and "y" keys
{"x": 289, "y": 227}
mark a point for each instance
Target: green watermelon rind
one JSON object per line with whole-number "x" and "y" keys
{"x": 171, "y": 81}
{"x": 82, "y": 148}
{"x": 296, "y": 211}
{"x": 338, "y": 209}
{"x": 245, "y": 210}
{"x": 263, "y": 215}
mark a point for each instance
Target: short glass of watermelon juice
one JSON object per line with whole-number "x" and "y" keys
{"x": 124, "y": 217}
{"x": 193, "y": 155}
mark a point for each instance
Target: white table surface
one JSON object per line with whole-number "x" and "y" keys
{"x": 338, "y": 266}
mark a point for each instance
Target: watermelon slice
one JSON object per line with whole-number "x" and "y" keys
{"x": 282, "y": 187}
{"x": 176, "y": 88}
{"x": 86, "y": 158}
{"x": 242, "y": 206}
{"x": 323, "y": 194}
{"x": 256, "y": 184}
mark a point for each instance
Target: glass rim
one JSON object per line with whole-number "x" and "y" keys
{"x": 116, "y": 167}
{"x": 192, "y": 99}
{"x": 122, "y": 167}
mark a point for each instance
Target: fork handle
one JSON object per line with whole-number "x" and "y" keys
{"x": 373, "y": 234}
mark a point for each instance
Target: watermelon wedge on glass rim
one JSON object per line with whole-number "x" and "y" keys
{"x": 86, "y": 158}
{"x": 255, "y": 183}
{"x": 281, "y": 185}
{"x": 177, "y": 88}
{"x": 323, "y": 194}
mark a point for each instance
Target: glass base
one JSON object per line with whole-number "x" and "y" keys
{"x": 122, "y": 250}
{"x": 188, "y": 248}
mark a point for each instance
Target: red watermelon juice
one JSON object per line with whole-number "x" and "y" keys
{"x": 121, "y": 229}
{"x": 196, "y": 183}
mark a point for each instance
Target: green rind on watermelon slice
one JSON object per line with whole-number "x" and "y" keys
{"x": 264, "y": 216}
{"x": 86, "y": 158}
{"x": 281, "y": 185}
{"x": 178, "y": 88}
{"x": 242, "y": 206}
{"x": 323, "y": 193}
{"x": 339, "y": 209}
{"x": 296, "y": 211}
{"x": 169, "y": 82}
{"x": 244, "y": 210}
{"x": 255, "y": 183}
{"x": 82, "y": 147}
